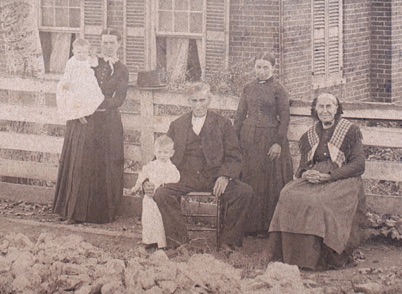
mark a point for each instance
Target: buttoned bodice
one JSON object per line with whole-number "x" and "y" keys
{"x": 264, "y": 105}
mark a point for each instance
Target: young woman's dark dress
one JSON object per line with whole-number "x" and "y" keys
{"x": 90, "y": 179}
{"x": 262, "y": 119}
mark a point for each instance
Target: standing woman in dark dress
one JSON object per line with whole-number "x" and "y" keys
{"x": 261, "y": 122}
{"x": 90, "y": 179}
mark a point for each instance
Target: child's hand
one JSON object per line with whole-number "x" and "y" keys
{"x": 135, "y": 189}
{"x": 83, "y": 120}
{"x": 66, "y": 86}
{"x": 93, "y": 58}
{"x": 149, "y": 188}
{"x": 92, "y": 52}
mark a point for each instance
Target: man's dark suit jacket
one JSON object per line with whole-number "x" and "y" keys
{"x": 219, "y": 143}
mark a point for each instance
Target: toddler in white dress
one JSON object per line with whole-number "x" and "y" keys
{"x": 78, "y": 93}
{"x": 153, "y": 175}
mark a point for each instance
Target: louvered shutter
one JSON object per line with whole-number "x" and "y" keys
{"x": 327, "y": 42}
{"x": 216, "y": 53}
{"x": 334, "y": 39}
{"x": 94, "y": 14}
{"x": 135, "y": 42}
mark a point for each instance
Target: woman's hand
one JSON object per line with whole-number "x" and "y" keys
{"x": 275, "y": 151}
{"x": 315, "y": 177}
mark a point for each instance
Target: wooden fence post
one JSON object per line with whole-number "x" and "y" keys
{"x": 147, "y": 125}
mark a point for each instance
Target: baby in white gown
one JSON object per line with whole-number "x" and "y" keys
{"x": 78, "y": 93}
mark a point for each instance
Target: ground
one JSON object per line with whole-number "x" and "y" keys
{"x": 378, "y": 260}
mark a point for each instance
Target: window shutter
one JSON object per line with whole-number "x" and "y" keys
{"x": 334, "y": 39}
{"x": 135, "y": 42}
{"x": 319, "y": 38}
{"x": 94, "y": 19}
{"x": 327, "y": 43}
{"x": 216, "y": 47}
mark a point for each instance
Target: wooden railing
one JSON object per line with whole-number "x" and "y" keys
{"x": 146, "y": 113}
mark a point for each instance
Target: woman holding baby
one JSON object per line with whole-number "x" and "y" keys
{"x": 90, "y": 179}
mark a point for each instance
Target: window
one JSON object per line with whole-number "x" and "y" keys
{"x": 59, "y": 26}
{"x": 180, "y": 17}
{"x": 60, "y": 14}
{"x": 179, "y": 39}
{"x": 327, "y": 43}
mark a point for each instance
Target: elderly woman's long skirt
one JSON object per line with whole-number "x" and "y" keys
{"x": 90, "y": 179}
{"x": 314, "y": 220}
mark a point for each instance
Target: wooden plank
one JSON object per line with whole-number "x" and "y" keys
{"x": 35, "y": 194}
{"x": 385, "y": 137}
{"x": 27, "y": 142}
{"x": 295, "y": 131}
{"x": 383, "y": 170}
{"x": 49, "y": 115}
{"x": 130, "y": 180}
{"x": 372, "y": 136}
{"x": 180, "y": 99}
{"x": 15, "y": 83}
{"x": 384, "y": 204}
{"x": 131, "y": 121}
{"x": 130, "y": 205}
{"x": 28, "y": 169}
{"x": 43, "y": 114}
{"x": 161, "y": 123}
{"x": 26, "y": 193}
{"x": 42, "y": 171}
{"x": 132, "y": 152}
{"x": 375, "y": 170}
{"x": 358, "y": 110}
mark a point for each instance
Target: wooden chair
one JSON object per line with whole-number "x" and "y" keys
{"x": 196, "y": 198}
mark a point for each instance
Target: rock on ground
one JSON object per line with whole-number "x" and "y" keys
{"x": 69, "y": 264}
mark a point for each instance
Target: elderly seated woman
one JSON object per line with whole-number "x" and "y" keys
{"x": 316, "y": 224}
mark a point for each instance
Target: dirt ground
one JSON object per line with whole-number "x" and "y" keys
{"x": 378, "y": 260}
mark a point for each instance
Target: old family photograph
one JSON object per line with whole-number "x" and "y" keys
{"x": 200, "y": 146}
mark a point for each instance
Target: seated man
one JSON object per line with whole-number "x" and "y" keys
{"x": 207, "y": 154}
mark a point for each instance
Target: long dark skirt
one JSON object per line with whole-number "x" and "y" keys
{"x": 318, "y": 225}
{"x": 266, "y": 177}
{"x": 90, "y": 178}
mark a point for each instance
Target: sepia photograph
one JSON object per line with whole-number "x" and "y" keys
{"x": 200, "y": 146}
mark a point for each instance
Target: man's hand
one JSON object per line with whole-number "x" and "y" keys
{"x": 275, "y": 151}
{"x": 220, "y": 185}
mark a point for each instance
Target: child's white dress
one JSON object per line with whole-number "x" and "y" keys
{"x": 158, "y": 173}
{"x": 83, "y": 95}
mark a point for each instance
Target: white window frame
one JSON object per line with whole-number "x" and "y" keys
{"x": 60, "y": 29}
{"x": 181, "y": 34}
{"x": 78, "y": 31}
{"x": 153, "y": 28}
{"x": 327, "y": 77}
